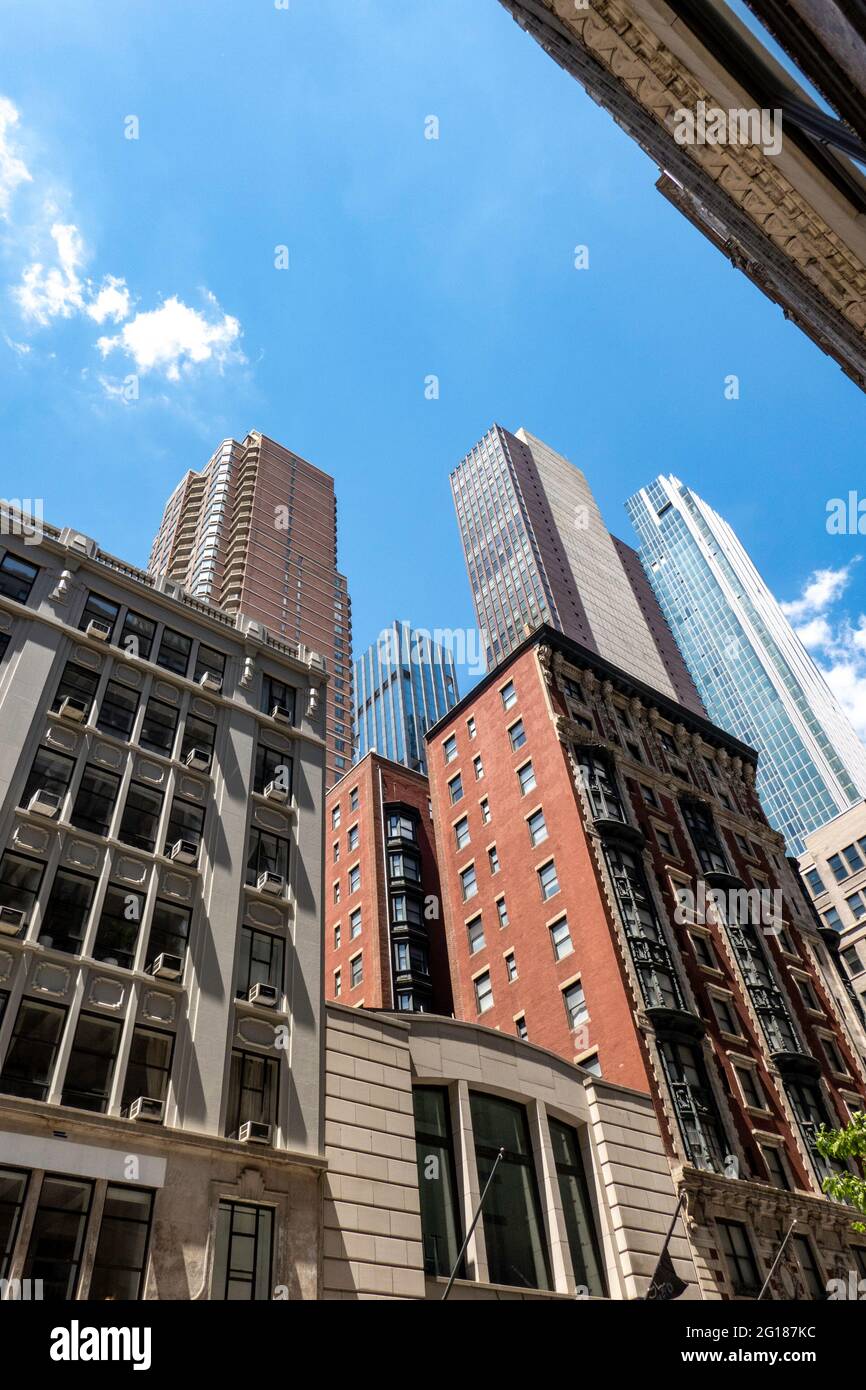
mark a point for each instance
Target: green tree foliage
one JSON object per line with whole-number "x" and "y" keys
{"x": 840, "y": 1145}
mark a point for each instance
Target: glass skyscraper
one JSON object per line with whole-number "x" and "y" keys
{"x": 754, "y": 675}
{"x": 404, "y": 683}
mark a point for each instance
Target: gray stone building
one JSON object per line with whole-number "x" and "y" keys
{"x": 161, "y": 808}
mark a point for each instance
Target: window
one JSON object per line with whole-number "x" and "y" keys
{"x": 511, "y": 967}
{"x": 502, "y": 912}
{"x": 517, "y": 735}
{"x": 95, "y": 802}
{"x": 577, "y": 1210}
{"x": 483, "y": 992}
{"x": 775, "y": 1166}
{"x": 91, "y": 1063}
{"x": 117, "y": 933}
{"x": 51, "y": 772}
{"x": 117, "y": 711}
{"x": 493, "y": 857}
{"x": 209, "y": 662}
{"x": 509, "y": 695}
{"x": 197, "y": 733}
{"x": 548, "y": 881}
{"x": 468, "y": 883}
{"x": 148, "y": 1070}
{"x": 526, "y": 778}
{"x": 560, "y": 938}
{"x": 520, "y": 1026}
{"x": 244, "y": 1253}
{"x": 65, "y": 918}
{"x": 809, "y": 1266}
{"x": 404, "y": 864}
{"x": 138, "y": 825}
{"x": 272, "y": 765}
{"x": 356, "y": 970}
{"x": 475, "y": 932}
{"x": 815, "y": 882}
{"x": 76, "y": 683}
{"x": 449, "y": 748}
{"x": 437, "y": 1186}
{"x": 704, "y": 951}
{"x": 353, "y": 799}
{"x": 405, "y": 909}
{"x": 338, "y": 983}
{"x": 705, "y": 838}
{"x": 857, "y": 904}
{"x": 13, "y": 1189}
{"x": 649, "y": 795}
{"x": 336, "y": 851}
{"x": 355, "y": 923}
{"x": 336, "y": 893}
{"x": 537, "y": 828}
{"x": 807, "y": 994}
{"x": 158, "y": 728}
{"x": 277, "y": 695}
{"x": 461, "y": 832}
{"x": 121, "y": 1252}
{"x": 832, "y": 918}
{"x": 57, "y": 1238}
{"x": 455, "y": 789}
{"x": 99, "y": 609}
{"x": 268, "y": 854}
{"x": 169, "y": 932}
{"x": 400, "y": 827}
{"x": 253, "y": 1087}
{"x": 470, "y": 727}
{"x": 851, "y": 957}
{"x": 513, "y": 1229}
{"x": 750, "y": 1084}
{"x": 185, "y": 822}
{"x": 352, "y": 838}
{"x": 174, "y": 650}
{"x": 485, "y": 811}
{"x": 478, "y": 768}
{"x": 32, "y": 1051}
{"x": 335, "y": 818}
{"x": 575, "y": 1004}
{"x": 261, "y": 961}
{"x": 740, "y": 1262}
{"x": 136, "y": 635}
{"x": 729, "y": 1019}
{"x": 19, "y": 882}
{"x": 666, "y": 844}
{"x": 834, "y": 1056}
{"x": 17, "y": 577}
{"x": 338, "y": 936}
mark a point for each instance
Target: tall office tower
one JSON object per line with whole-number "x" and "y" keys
{"x": 160, "y": 937}
{"x": 404, "y": 683}
{"x": 613, "y": 892}
{"x": 255, "y": 532}
{"x": 755, "y": 676}
{"x": 537, "y": 551}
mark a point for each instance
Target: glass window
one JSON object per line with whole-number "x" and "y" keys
{"x": 253, "y": 1087}
{"x": 809, "y": 1265}
{"x": 455, "y": 789}
{"x": 76, "y": 683}
{"x": 355, "y": 923}
{"x": 513, "y": 1230}
{"x": 405, "y": 909}
{"x": 485, "y": 811}
{"x": 402, "y": 866}
{"x": 449, "y": 748}
{"x": 136, "y": 635}
{"x": 244, "y": 1253}
{"x": 740, "y": 1262}
{"x": 575, "y": 1005}
{"x": 815, "y": 882}
{"x": 57, "y": 1238}
{"x": 751, "y": 1087}
{"x": 437, "y": 1186}
{"x": 169, "y": 932}
{"x": 51, "y": 772}
{"x": 148, "y": 1071}
{"x": 511, "y": 967}
{"x": 335, "y": 818}
{"x": 94, "y": 804}
{"x": 775, "y": 1166}
{"x": 91, "y": 1063}
{"x": 353, "y": 799}
{"x": 209, "y": 662}
{"x": 493, "y": 857}
{"x": 261, "y": 961}
{"x": 100, "y": 610}
{"x": 17, "y": 577}
{"x": 478, "y": 768}
{"x": 461, "y": 832}
{"x": 32, "y": 1051}
{"x": 267, "y": 854}
{"x": 118, "y": 710}
{"x": 197, "y": 733}
{"x": 548, "y": 881}
{"x": 121, "y": 1253}
{"x": 517, "y": 735}
{"x": 502, "y": 912}
{"x": 13, "y": 1189}
{"x": 579, "y": 1221}
{"x": 117, "y": 933}
{"x": 560, "y": 937}
{"x": 185, "y": 822}
{"x": 174, "y": 650}
{"x": 469, "y": 882}
{"x": 483, "y": 992}
{"x": 509, "y": 695}
{"x": 65, "y": 919}
{"x": 277, "y": 695}
{"x": 475, "y": 931}
{"x": 526, "y": 778}
{"x": 352, "y": 837}
{"x": 272, "y": 765}
{"x": 356, "y": 969}
{"x": 140, "y": 818}
{"x": 158, "y": 727}
{"x": 537, "y": 828}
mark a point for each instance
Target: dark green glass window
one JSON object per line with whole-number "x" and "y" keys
{"x": 440, "y": 1218}
{"x": 579, "y": 1222}
{"x": 513, "y": 1229}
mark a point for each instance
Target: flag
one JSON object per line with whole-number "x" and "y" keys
{"x": 666, "y": 1283}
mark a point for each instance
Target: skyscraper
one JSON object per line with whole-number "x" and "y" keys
{"x": 537, "y": 550}
{"x": 755, "y": 676}
{"x": 255, "y": 532}
{"x": 404, "y": 683}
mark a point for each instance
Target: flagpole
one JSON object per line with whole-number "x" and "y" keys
{"x": 775, "y": 1262}
{"x": 499, "y": 1158}
{"x": 673, "y": 1223}
{"x": 667, "y": 1241}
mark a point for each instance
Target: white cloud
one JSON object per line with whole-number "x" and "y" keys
{"x": 13, "y": 170}
{"x": 21, "y": 349}
{"x": 837, "y": 645}
{"x": 823, "y": 588}
{"x": 112, "y": 301}
{"x": 58, "y": 292}
{"x": 816, "y": 633}
{"x": 174, "y": 336}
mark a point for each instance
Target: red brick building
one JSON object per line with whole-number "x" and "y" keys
{"x": 384, "y": 940}
{"x": 613, "y": 892}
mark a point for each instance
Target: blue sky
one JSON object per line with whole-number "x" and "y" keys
{"x": 261, "y": 127}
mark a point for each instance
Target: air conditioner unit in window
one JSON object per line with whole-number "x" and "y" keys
{"x": 252, "y": 1132}
{"x": 167, "y": 967}
{"x": 263, "y": 994}
{"x": 281, "y": 714}
{"x": 43, "y": 803}
{"x": 184, "y": 852}
{"x": 101, "y": 632}
{"x": 11, "y": 921}
{"x": 198, "y": 758}
{"x": 74, "y": 709}
{"x": 271, "y": 883}
{"x": 145, "y": 1108}
{"x": 275, "y": 792}
{"x": 211, "y": 681}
